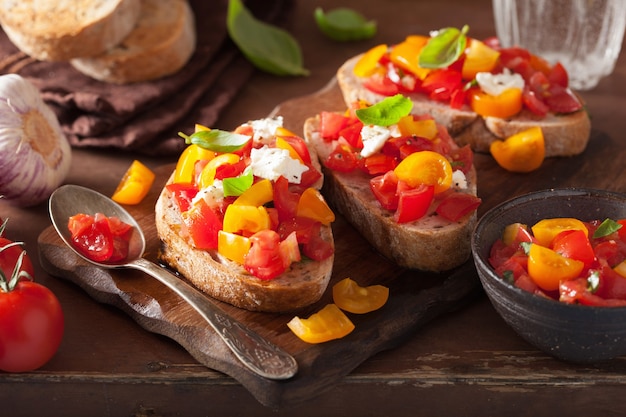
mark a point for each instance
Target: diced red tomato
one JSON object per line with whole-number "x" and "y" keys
{"x": 317, "y": 248}
{"x": 384, "y": 187}
{"x": 574, "y": 244}
{"x": 202, "y": 224}
{"x": 264, "y": 258}
{"x": 285, "y": 201}
{"x": 378, "y": 163}
{"x": 413, "y": 203}
{"x": 381, "y": 85}
{"x": 342, "y": 159}
{"x": 230, "y": 170}
{"x": 455, "y": 206}
{"x": 331, "y": 123}
{"x": 442, "y": 83}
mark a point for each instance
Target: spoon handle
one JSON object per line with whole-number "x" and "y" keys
{"x": 256, "y": 352}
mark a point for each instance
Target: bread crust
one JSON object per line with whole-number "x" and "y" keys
{"x": 564, "y": 135}
{"x": 65, "y": 29}
{"x": 302, "y": 284}
{"x": 161, "y": 43}
{"x": 430, "y": 244}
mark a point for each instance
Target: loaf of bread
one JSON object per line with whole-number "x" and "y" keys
{"x": 564, "y": 134}
{"x": 64, "y": 29}
{"x": 161, "y": 43}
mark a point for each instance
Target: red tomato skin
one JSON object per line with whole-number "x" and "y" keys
{"x": 574, "y": 244}
{"x": 31, "y": 329}
{"x": 457, "y": 205}
{"x": 317, "y": 248}
{"x": 413, "y": 203}
{"x": 264, "y": 259}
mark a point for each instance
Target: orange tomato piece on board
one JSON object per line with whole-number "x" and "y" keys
{"x": 426, "y": 167}
{"x": 478, "y": 58}
{"x": 350, "y": 296}
{"x": 522, "y": 152}
{"x": 327, "y": 324}
{"x": 505, "y": 105}
{"x": 547, "y": 268}
{"x": 135, "y": 184}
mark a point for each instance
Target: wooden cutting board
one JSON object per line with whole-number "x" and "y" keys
{"x": 415, "y": 297}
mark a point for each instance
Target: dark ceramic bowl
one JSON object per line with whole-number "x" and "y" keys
{"x": 574, "y": 333}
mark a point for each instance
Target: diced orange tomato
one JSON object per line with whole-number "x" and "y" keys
{"x": 478, "y": 58}
{"x": 522, "y": 152}
{"x": 207, "y": 176}
{"x": 246, "y": 219}
{"x": 313, "y": 206}
{"x": 134, "y": 185}
{"x": 258, "y": 194}
{"x": 233, "y": 246}
{"x": 620, "y": 268}
{"x": 547, "y": 268}
{"x": 351, "y": 297}
{"x": 546, "y": 230}
{"x": 327, "y": 324}
{"x": 426, "y": 167}
{"x": 504, "y": 105}
{"x": 406, "y": 56}
{"x": 516, "y": 233}
{"x": 409, "y": 126}
{"x": 368, "y": 63}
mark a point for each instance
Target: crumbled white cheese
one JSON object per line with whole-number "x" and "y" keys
{"x": 496, "y": 84}
{"x": 459, "y": 180}
{"x": 265, "y": 129}
{"x": 213, "y": 194}
{"x": 373, "y": 137}
{"x": 271, "y": 163}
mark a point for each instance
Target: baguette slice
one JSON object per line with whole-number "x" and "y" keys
{"x": 430, "y": 244}
{"x": 564, "y": 135}
{"x": 64, "y": 29}
{"x": 301, "y": 285}
{"x": 160, "y": 44}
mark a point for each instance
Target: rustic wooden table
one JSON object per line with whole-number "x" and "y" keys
{"x": 466, "y": 362}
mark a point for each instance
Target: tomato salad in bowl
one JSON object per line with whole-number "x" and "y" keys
{"x": 551, "y": 263}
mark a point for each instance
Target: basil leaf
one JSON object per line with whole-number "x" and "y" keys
{"x": 525, "y": 247}
{"x": 607, "y": 227}
{"x": 235, "y": 186}
{"x": 444, "y": 48}
{"x": 344, "y": 24}
{"x": 217, "y": 140}
{"x": 267, "y": 47}
{"x": 386, "y": 112}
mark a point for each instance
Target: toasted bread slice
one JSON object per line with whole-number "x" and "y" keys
{"x": 65, "y": 29}
{"x": 430, "y": 243}
{"x": 564, "y": 135}
{"x": 160, "y": 44}
{"x": 301, "y": 285}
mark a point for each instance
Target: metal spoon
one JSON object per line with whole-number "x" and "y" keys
{"x": 254, "y": 351}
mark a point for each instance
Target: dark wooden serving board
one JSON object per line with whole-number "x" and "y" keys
{"x": 415, "y": 297}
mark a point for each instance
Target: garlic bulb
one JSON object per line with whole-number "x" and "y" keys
{"x": 35, "y": 155}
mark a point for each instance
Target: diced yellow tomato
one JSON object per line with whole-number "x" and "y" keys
{"x": 504, "y": 105}
{"x": 134, "y": 185}
{"x": 249, "y": 219}
{"x": 368, "y": 63}
{"x": 233, "y": 246}
{"x": 350, "y": 296}
{"x": 406, "y": 56}
{"x": 258, "y": 194}
{"x": 547, "y": 268}
{"x": 620, "y": 268}
{"x": 426, "y": 167}
{"x": 546, "y": 230}
{"x": 185, "y": 167}
{"x": 478, "y": 58}
{"x": 327, "y": 324}
{"x": 426, "y": 128}
{"x": 521, "y": 152}
{"x": 207, "y": 176}
{"x": 283, "y": 144}
{"x": 313, "y": 206}
{"x": 512, "y": 233}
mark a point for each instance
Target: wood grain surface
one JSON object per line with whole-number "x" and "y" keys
{"x": 415, "y": 297}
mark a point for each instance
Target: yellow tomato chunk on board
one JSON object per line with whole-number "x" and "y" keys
{"x": 134, "y": 185}
{"x": 350, "y": 296}
{"x": 327, "y": 324}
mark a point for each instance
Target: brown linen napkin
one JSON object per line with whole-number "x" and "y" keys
{"x": 146, "y": 117}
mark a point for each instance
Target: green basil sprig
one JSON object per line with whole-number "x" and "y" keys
{"x": 386, "y": 112}
{"x": 607, "y": 227}
{"x": 216, "y": 140}
{"x": 344, "y": 24}
{"x": 267, "y": 47}
{"x": 235, "y": 186}
{"x": 444, "y": 48}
